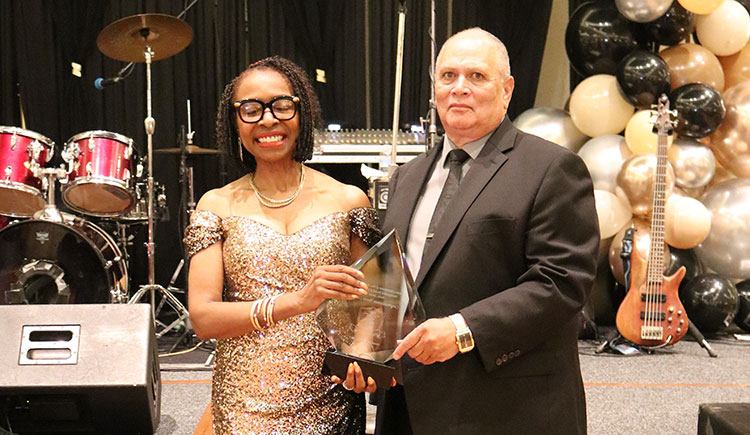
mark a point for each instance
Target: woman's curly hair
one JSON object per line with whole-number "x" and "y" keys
{"x": 226, "y": 137}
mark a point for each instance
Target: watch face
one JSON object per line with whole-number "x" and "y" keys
{"x": 464, "y": 341}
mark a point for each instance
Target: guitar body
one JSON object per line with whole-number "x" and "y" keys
{"x": 651, "y": 314}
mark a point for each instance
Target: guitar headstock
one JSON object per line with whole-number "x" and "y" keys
{"x": 662, "y": 119}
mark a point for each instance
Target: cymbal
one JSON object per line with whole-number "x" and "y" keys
{"x": 189, "y": 149}
{"x": 126, "y": 39}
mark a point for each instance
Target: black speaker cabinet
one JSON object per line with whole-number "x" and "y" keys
{"x": 724, "y": 419}
{"x": 88, "y": 368}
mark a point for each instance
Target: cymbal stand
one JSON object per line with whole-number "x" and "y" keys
{"x": 151, "y": 287}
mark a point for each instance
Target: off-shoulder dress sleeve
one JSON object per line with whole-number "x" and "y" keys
{"x": 204, "y": 230}
{"x": 365, "y": 224}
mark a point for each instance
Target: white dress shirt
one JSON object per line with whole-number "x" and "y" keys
{"x": 428, "y": 200}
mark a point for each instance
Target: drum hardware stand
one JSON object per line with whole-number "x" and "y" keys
{"x": 152, "y": 288}
{"x": 50, "y": 212}
{"x": 124, "y": 240}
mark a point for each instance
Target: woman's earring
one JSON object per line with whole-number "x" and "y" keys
{"x": 240, "y": 147}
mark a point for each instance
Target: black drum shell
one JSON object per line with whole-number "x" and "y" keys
{"x": 93, "y": 266}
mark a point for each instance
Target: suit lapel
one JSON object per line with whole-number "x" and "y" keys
{"x": 483, "y": 168}
{"x": 411, "y": 184}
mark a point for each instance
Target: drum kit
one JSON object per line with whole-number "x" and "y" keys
{"x": 51, "y": 257}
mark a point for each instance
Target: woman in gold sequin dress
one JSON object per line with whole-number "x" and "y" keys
{"x": 266, "y": 250}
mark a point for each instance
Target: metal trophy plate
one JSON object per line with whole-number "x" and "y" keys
{"x": 366, "y": 329}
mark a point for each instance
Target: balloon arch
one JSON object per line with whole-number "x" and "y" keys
{"x": 697, "y": 52}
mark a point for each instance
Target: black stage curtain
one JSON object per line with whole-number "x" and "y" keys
{"x": 39, "y": 39}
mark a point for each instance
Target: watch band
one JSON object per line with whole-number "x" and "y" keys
{"x": 464, "y": 338}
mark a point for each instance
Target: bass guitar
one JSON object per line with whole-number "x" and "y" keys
{"x": 651, "y": 314}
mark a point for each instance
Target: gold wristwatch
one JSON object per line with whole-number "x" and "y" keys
{"x": 464, "y": 339}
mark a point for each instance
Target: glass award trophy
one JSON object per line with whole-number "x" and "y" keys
{"x": 366, "y": 329}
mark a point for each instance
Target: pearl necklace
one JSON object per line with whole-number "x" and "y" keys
{"x": 277, "y": 203}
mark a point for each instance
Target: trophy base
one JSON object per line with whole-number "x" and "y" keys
{"x": 337, "y": 363}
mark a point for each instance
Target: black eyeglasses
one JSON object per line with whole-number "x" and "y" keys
{"x": 282, "y": 108}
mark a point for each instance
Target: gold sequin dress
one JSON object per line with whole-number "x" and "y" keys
{"x": 270, "y": 381}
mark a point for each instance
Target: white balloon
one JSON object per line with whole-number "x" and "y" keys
{"x": 612, "y": 211}
{"x": 597, "y": 107}
{"x": 552, "y": 124}
{"x": 643, "y": 11}
{"x": 694, "y": 164}
{"x": 726, "y": 30}
{"x": 686, "y": 222}
{"x": 603, "y": 156}
{"x": 726, "y": 250}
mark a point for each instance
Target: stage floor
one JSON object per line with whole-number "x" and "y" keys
{"x": 638, "y": 394}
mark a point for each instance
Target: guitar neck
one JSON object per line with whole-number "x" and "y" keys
{"x": 656, "y": 254}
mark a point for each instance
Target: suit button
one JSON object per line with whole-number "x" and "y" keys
{"x": 516, "y": 353}
{"x": 505, "y": 357}
{"x": 499, "y": 362}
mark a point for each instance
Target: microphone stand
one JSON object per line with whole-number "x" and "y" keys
{"x": 432, "y": 129}
{"x": 379, "y": 185}
{"x": 397, "y": 92}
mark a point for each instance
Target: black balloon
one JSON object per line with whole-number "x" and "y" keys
{"x": 672, "y": 27}
{"x": 687, "y": 258}
{"x": 598, "y": 37}
{"x": 700, "y": 109}
{"x": 643, "y": 76}
{"x": 711, "y": 301}
{"x": 743, "y": 316}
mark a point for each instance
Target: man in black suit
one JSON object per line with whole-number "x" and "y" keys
{"x": 502, "y": 273}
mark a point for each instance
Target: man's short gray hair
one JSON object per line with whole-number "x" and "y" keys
{"x": 502, "y": 52}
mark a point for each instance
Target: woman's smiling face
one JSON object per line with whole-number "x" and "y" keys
{"x": 268, "y": 139}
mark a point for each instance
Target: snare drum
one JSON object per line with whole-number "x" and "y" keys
{"x": 100, "y": 180}
{"x": 20, "y": 151}
{"x": 47, "y": 262}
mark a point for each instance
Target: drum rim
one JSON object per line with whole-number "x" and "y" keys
{"x": 114, "y": 182}
{"x": 25, "y": 188}
{"x": 28, "y": 133}
{"x": 98, "y": 180}
{"x": 101, "y": 134}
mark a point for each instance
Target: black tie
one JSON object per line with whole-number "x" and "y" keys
{"x": 456, "y": 159}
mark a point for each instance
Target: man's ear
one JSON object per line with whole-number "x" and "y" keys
{"x": 508, "y": 86}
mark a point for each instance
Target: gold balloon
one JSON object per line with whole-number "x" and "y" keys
{"x": 689, "y": 193}
{"x": 635, "y": 183}
{"x": 701, "y": 7}
{"x": 642, "y": 241}
{"x": 731, "y": 141}
{"x": 596, "y": 106}
{"x": 613, "y": 213}
{"x": 691, "y": 63}
{"x": 686, "y": 222}
{"x": 720, "y": 176}
{"x": 639, "y": 133}
{"x": 726, "y": 30}
{"x": 736, "y": 67}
